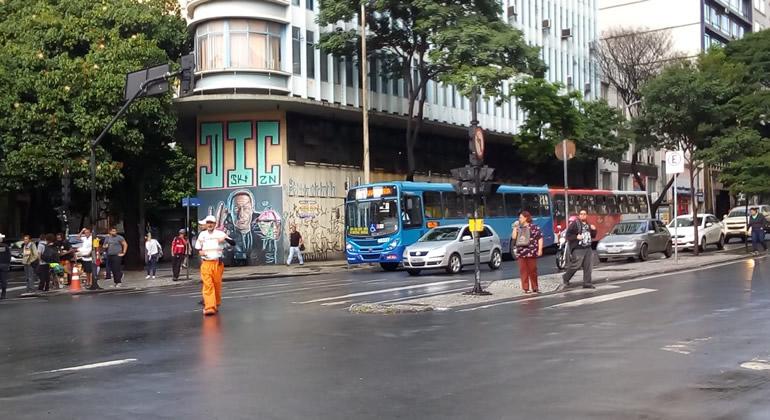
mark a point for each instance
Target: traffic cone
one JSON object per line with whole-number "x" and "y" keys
{"x": 75, "y": 280}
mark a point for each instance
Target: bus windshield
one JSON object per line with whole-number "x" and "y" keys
{"x": 372, "y": 218}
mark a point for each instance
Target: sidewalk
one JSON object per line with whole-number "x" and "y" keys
{"x": 135, "y": 280}
{"x": 505, "y": 290}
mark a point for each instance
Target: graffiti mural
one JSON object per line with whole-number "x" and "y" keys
{"x": 251, "y": 216}
{"x": 320, "y": 221}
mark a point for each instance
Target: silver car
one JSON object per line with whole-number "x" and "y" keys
{"x": 451, "y": 247}
{"x": 635, "y": 239}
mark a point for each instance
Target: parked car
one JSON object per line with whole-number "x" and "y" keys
{"x": 451, "y": 247}
{"x": 735, "y": 221}
{"x": 635, "y": 239}
{"x": 15, "y": 246}
{"x": 710, "y": 230}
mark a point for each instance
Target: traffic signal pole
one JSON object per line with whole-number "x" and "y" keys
{"x": 476, "y": 160}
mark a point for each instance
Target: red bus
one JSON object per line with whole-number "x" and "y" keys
{"x": 605, "y": 208}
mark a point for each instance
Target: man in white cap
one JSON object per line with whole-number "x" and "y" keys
{"x": 5, "y": 265}
{"x": 210, "y": 244}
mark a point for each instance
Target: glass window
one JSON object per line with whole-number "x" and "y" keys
{"x": 531, "y": 203}
{"x": 545, "y": 205}
{"x": 600, "y": 204}
{"x": 486, "y": 233}
{"x": 295, "y": 2}
{"x": 296, "y": 52}
{"x": 336, "y": 69}
{"x": 558, "y": 206}
{"x": 324, "y": 66}
{"x": 633, "y": 206}
{"x": 512, "y": 204}
{"x": 612, "y": 205}
{"x": 725, "y": 24}
{"x": 309, "y": 4}
{"x": 252, "y": 44}
{"x": 411, "y": 213}
{"x": 642, "y": 204}
{"x": 349, "y": 71}
{"x": 432, "y": 201}
{"x": 623, "y": 204}
{"x": 310, "y": 54}
{"x": 453, "y": 206}
{"x": 494, "y": 206}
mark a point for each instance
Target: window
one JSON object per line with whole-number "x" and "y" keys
{"x": 310, "y": 54}
{"x": 296, "y": 52}
{"x": 531, "y": 203}
{"x": 411, "y": 214}
{"x": 454, "y": 207}
{"x": 336, "y": 69}
{"x": 545, "y": 205}
{"x": 600, "y": 204}
{"x": 612, "y": 205}
{"x": 432, "y": 200}
{"x": 633, "y": 204}
{"x": 295, "y": 2}
{"x": 494, "y": 206}
{"x": 642, "y": 203}
{"x": 760, "y": 5}
{"x": 309, "y": 4}
{"x": 349, "y": 71}
{"x": 512, "y": 204}
{"x": 623, "y": 204}
{"x": 706, "y": 41}
{"x": 558, "y": 204}
{"x": 623, "y": 181}
{"x": 725, "y": 24}
{"x": 607, "y": 180}
{"x": 238, "y": 43}
{"x": 324, "y": 66}
{"x": 486, "y": 233}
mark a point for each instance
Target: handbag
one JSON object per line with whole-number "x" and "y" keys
{"x": 301, "y": 247}
{"x": 523, "y": 237}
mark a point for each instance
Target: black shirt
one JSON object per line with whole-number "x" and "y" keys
{"x": 294, "y": 239}
{"x": 5, "y": 257}
{"x": 63, "y": 248}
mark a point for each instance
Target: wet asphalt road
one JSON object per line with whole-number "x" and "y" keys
{"x": 669, "y": 347}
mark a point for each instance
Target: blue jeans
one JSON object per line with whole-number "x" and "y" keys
{"x": 152, "y": 265}
{"x": 757, "y": 239}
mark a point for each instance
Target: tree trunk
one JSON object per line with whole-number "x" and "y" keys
{"x": 410, "y": 122}
{"x": 133, "y": 218}
{"x": 635, "y": 172}
{"x": 694, "y": 204}
{"x": 654, "y": 207}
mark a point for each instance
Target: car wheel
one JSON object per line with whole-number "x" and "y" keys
{"x": 496, "y": 260}
{"x": 669, "y": 250}
{"x": 644, "y": 253}
{"x": 455, "y": 264}
{"x": 721, "y": 243}
{"x": 702, "y": 245}
{"x": 389, "y": 266}
{"x": 413, "y": 272}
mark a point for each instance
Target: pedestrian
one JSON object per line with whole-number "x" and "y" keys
{"x": 30, "y": 259}
{"x": 579, "y": 236}
{"x": 66, "y": 254}
{"x": 210, "y": 245}
{"x": 153, "y": 252}
{"x": 179, "y": 248}
{"x": 85, "y": 258}
{"x": 528, "y": 240}
{"x": 188, "y": 249}
{"x": 296, "y": 246}
{"x": 757, "y": 224}
{"x": 115, "y": 247}
{"x": 5, "y": 265}
{"x": 49, "y": 254}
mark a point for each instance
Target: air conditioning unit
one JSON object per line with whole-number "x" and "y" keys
{"x": 546, "y": 23}
{"x": 566, "y": 33}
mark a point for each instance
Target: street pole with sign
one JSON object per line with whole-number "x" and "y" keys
{"x": 565, "y": 152}
{"x": 188, "y": 202}
{"x": 675, "y": 165}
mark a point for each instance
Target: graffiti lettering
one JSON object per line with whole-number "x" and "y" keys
{"x": 268, "y": 179}
{"x": 321, "y": 228}
{"x": 239, "y": 133}
{"x": 267, "y": 133}
{"x": 211, "y": 137}
{"x": 317, "y": 189}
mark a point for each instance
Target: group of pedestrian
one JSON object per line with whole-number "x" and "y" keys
{"x": 528, "y": 246}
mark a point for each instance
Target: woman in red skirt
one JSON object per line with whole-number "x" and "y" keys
{"x": 528, "y": 241}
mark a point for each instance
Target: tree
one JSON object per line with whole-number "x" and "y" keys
{"x": 64, "y": 63}
{"x": 681, "y": 111}
{"x": 461, "y": 42}
{"x": 553, "y": 115}
{"x": 628, "y": 58}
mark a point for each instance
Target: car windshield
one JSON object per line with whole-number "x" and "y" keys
{"x": 683, "y": 221}
{"x": 630, "y": 228}
{"x": 372, "y": 218}
{"x": 440, "y": 234}
{"x": 737, "y": 213}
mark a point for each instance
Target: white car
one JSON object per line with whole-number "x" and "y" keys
{"x": 451, "y": 247}
{"x": 710, "y": 231}
{"x": 735, "y": 221}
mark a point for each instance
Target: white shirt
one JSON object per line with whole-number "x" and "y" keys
{"x": 152, "y": 246}
{"x": 211, "y": 243}
{"x": 84, "y": 252}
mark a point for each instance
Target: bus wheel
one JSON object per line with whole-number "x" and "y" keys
{"x": 455, "y": 264}
{"x": 389, "y": 266}
{"x": 413, "y": 272}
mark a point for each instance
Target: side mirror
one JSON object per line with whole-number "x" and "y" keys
{"x": 466, "y": 238}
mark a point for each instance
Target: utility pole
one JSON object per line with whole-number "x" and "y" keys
{"x": 364, "y": 93}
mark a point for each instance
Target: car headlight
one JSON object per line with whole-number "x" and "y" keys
{"x": 436, "y": 252}
{"x": 629, "y": 245}
{"x": 349, "y": 247}
{"x": 392, "y": 245}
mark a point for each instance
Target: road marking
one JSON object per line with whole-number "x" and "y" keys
{"x": 689, "y": 270}
{"x": 541, "y": 297}
{"x": 375, "y": 292}
{"x": 92, "y": 366}
{"x": 13, "y": 289}
{"x": 685, "y": 347}
{"x": 335, "y": 303}
{"x": 756, "y": 364}
{"x": 603, "y": 298}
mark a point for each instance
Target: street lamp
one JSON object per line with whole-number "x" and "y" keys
{"x": 364, "y": 93}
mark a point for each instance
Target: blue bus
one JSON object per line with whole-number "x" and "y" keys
{"x": 382, "y": 219}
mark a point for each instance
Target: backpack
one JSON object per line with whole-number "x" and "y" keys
{"x": 50, "y": 254}
{"x": 523, "y": 238}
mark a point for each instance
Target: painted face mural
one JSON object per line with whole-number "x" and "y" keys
{"x": 243, "y": 208}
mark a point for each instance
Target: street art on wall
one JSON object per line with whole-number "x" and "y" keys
{"x": 234, "y": 154}
{"x": 251, "y": 216}
{"x": 320, "y": 221}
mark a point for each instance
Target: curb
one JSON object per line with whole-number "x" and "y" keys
{"x": 385, "y": 309}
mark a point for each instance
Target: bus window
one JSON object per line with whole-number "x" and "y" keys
{"x": 512, "y": 204}
{"x": 632, "y": 204}
{"x": 623, "y": 204}
{"x": 601, "y": 204}
{"x": 411, "y": 211}
{"x": 574, "y": 206}
{"x": 558, "y": 205}
{"x": 587, "y": 203}
{"x": 612, "y": 205}
{"x": 432, "y": 203}
{"x": 453, "y": 206}
{"x": 643, "y": 207}
{"x": 531, "y": 203}
{"x": 494, "y": 206}
{"x": 545, "y": 205}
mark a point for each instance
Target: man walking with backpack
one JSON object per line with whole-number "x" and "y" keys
{"x": 579, "y": 235}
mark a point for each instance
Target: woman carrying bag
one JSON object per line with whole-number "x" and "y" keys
{"x": 528, "y": 240}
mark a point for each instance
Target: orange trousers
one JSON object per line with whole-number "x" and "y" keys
{"x": 211, "y": 275}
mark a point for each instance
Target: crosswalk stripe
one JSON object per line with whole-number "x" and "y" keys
{"x": 375, "y": 292}
{"x": 603, "y": 298}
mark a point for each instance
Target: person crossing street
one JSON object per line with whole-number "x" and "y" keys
{"x": 579, "y": 236}
{"x": 210, "y": 245}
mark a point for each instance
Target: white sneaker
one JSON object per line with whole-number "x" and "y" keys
{"x": 119, "y": 285}
{"x": 148, "y": 276}
{"x": 153, "y": 276}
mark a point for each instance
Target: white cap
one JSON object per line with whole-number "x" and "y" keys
{"x": 209, "y": 218}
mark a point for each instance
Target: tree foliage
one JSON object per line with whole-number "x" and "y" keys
{"x": 460, "y": 42}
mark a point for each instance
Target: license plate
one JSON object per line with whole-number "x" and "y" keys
{"x": 613, "y": 251}
{"x": 417, "y": 260}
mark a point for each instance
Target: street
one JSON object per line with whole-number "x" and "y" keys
{"x": 687, "y": 346}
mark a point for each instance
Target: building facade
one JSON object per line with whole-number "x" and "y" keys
{"x": 276, "y": 122}
{"x": 694, "y": 26}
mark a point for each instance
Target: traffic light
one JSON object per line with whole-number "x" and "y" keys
{"x": 187, "y": 78}
{"x": 464, "y": 182}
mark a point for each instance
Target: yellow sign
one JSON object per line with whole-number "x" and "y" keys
{"x": 476, "y": 225}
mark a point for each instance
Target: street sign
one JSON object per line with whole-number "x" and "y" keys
{"x": 478, "y": 143}
{"x": 559, "y": 149}
{"x": 191, "y": 202}
{"x": 134, "y": 82}
{"x": 674, "y": 162}
{"x": 476, "y": 225}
